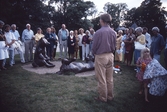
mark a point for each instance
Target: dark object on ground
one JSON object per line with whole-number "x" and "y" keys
{"x": 40, "y": 57}
{"x": 76, "y": 67}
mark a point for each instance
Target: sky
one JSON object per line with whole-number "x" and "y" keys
{"x": 131, "y": 3}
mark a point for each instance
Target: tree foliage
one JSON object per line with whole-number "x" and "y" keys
{"x": 73, "y": 13}
{"x": 22, "y": 12}
{"x": 149, "y": 14}
{"x": 117, "y": 11}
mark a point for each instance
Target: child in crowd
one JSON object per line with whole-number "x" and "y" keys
{"x": 142, "y": 62}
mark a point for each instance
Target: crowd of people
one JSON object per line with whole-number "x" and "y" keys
{"x": 71, "y": 43}
{"x": 106, "y": 45}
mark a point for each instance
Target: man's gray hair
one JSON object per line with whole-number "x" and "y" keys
{"x": 139, "y": 29}
{"x": 28, "y": 25}
{"x": 1, "y": 22}
{"x": 155, "y": 29}
{"x": 13, "y": 25}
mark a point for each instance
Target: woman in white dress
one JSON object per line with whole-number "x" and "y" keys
{"x": 3, "y": 47}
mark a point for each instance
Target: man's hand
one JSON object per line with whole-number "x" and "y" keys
{"x": 2, "y": 36}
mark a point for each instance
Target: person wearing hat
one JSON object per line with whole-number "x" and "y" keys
{"x": 165, "y": 51}
{"x": 157, "y": 44}
{"x": 28, "y": 39}
{"x": 104, "y": 44}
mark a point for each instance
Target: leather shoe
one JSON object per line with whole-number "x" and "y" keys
{"x": 99, "y": 100}
{"x": 3, "y": 68}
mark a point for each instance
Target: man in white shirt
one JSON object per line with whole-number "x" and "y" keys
{"x": 28, "y": 38}
{"x": 148, "y": 37}
{"x": 18, "y": 42}
{"x": 63, "y": 36}
{"x": 10, "y": 39}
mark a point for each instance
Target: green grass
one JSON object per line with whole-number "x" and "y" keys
{"x": 23, "y": 91}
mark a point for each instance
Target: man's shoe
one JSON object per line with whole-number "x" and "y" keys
{"x": 3, "y": 68}
{"x": 99, "y": 100}
{"x": 22, "y": 62}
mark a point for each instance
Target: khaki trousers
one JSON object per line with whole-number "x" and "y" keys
{"x": 118, "y": 57}
{"x": 104, "y": 74}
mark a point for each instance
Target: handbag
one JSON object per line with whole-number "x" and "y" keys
{"x": 139, "y": 46}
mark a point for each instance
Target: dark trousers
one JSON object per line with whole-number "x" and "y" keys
{"x": 49, "y": 50}
{"x": 54, "y": 52}
{"x": 1, "y": 64}
{"x": 80, "y": 52}
{"x": 165, "y": 57}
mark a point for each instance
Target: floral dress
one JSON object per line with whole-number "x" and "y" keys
{"x": 140, "y": 74}
{"x": 157, "y": 75}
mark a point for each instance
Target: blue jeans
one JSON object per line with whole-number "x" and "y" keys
{"x": 11, "y": 58}
{"x": 165, "y": 57}
{"x": 137, "y": 54}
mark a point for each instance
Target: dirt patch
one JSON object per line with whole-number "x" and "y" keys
{"x": 44, "y": 70}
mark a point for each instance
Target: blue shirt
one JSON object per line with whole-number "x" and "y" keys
{"x": 124, "y": 37}
{"x": 64, "y": 34}
{"x": 27, "y": 35}
{"x": 157, "y": 44}
{"x": 16, "y": 34}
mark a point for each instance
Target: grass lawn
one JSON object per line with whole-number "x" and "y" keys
{"x": 23, "y": 91}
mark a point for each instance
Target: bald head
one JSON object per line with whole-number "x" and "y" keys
{"x": 63, "y": 26}
{"x": 13, "y": 27}
{"x": 28, "y": 26}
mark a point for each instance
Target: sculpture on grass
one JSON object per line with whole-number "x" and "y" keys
{"x": 72, "y": 66}
{"x": 40, "y": 57}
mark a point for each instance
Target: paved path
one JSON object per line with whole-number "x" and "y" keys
{"x": 44, "y": 70}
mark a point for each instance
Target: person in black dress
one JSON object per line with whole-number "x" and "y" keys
{"x": 71, "y": 45}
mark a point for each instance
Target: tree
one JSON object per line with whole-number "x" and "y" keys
{"x": 73, "y": 13}
{"x": 149, "y": 14}
{"x": 22, "y": 12}
{"x": 117, "y": 11}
